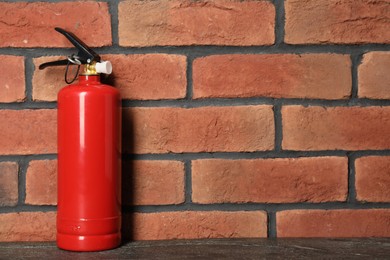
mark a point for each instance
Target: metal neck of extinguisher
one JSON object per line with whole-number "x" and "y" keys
{"x": 86, "y": 57}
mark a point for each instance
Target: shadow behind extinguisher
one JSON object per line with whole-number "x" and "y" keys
{"x": 128, "y": 180}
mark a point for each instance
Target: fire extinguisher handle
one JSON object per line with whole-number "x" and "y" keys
{"x": 53, "y": 63}
{"x": 85, "y": 55}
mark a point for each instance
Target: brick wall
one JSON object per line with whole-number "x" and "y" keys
{"x": 240, "y": 118}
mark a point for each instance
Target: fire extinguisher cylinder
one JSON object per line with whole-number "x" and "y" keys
{"x": 89, "y": 156}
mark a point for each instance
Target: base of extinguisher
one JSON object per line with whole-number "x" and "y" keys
{"x": 88, "y": 243}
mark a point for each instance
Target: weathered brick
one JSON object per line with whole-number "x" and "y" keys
{"x": 335, "y": 21}
{"x": 204, "y": 129}
{"x": 12, "y": 85}
{"x": 142, "y": 77}
{"x": 28, "y": 131}
{"x": 153, "y": 182}
{"x": 41, "y": 183}
{"x": 150, "y": 76}
{"x": 220, "y": 22}
{"x": 318, "y": 179}
{"x": 8, "y": 183}
{"x": 28, "y": 226}
{"x": 372, "y": 178}
{"x": 335, "y": 128}
{"x": 48, "y": 82}
{"x": 144, "y": 182}
{"x": 26, "y": 24}
{"x": 333, "y": 223}
{"x": 323, "y": 76}
{"x": 374, "y": 76}
{"x": 195, "y": 224}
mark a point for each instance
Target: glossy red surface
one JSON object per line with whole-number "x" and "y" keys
{"x": 89, "y": 166}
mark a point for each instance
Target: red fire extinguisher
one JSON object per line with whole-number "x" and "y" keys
{"x": 89, "y": 155}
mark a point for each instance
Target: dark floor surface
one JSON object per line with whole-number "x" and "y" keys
{"x": 378, "y": 248}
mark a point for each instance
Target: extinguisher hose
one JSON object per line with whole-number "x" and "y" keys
{"x": 75, "y": 75}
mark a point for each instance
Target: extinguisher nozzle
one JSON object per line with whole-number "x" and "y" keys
{"x": 103, "y": 67}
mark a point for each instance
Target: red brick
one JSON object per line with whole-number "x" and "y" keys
{"x": 147, "y": 182}
{"x": 204, "y": 129}
{"x": 373, "y": 178}
{"x": 28, "y": 226}
{"x": 153, "y": 182}
{"x": 142, "y": 77}
{"x": 41, "y": 183}
{"x": 32, "y": 24}
{"x": 28, "y": 131}
{"x": 150, "y": 76}
{"x": 12, "y": 85}
{"x": 195, "y": 224}
{"x": 335, "y": 21}
{"x": 333, "y": 223}
{"x": 319, "y": 179}
{"x": 335, "y": 128}
{"x": 8, "y": 183}
{"x": 374, "y": 76}
{"x": 326, "y": 76}
{"x": 220, "y": 22}
{"x": 49, "y": 81}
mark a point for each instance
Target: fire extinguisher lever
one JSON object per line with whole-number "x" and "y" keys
{"x": 84, "y": 56}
